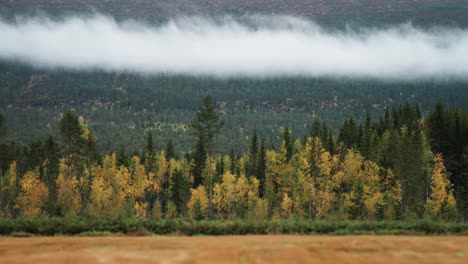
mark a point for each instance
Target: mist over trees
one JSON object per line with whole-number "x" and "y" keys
{"x": 403, "y": 165}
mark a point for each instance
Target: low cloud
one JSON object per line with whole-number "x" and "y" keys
{"x": 253, "y": 46}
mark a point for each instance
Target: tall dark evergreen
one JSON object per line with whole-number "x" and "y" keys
{"x": 149, "y": 144}
{"x": 170, "y": 151}
{"x": 71, "y": 132}
{"x": 349, "y": 133}
{"x": 233, "y": 162}
{"x": 180, "y": 191}
{"x": 253, "y": 153}
{"x": 72, "y": 136}
{"x": 199, "y": 163}
{"x": 148, "y": 153}
{"x": 52, "y": 158}
{"x": 288, "y": 144}
{"x": 207, "y": 124}
{"x": 3, "y": 127}
{"x": 261, "y": 168}
{"x": 122, "y": 157}
{"x": 316, "y": 129}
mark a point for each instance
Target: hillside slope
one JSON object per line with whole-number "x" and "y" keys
{"x": 421, "y": 12}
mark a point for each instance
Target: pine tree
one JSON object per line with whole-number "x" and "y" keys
{"x": 149, "y": 144}
{"x": 170, "y": 151}
{"x": 52, "y": 170}
{"x": 148, "y": 154}
{"x": 316, "y": 129}
{"x": 288, "y": 144}
{"x": 199, "y": 162}
{"x": 357, "y": 209}
{"x": 349, "y": 133}
{"x": 207, "y": 126}
{"x": 122, "y": 158}
{"x": 72, "y": 135}
{"x": 261, "y": 168}
{"x": 252, "y": 165}
{"x": 180, "y": 191}
{"x": 3, "y": 127}
{"x": 233, "y": 162}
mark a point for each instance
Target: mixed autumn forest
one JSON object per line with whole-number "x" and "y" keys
{"x": 401, "y": 166}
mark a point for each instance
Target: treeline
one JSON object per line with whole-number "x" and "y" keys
{"x": 401, "y": 166}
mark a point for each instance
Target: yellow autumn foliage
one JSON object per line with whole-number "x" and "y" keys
{"x": 33, "y": 196}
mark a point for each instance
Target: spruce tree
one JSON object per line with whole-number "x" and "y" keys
{"x": 170, "y": 151}
{"x": 3, "y": 128}
{"x": 252, "y": 166}
{"x": 73, "y": 151}
{"x": 232, "y": 159}
{"x": 288, "y": 144}
{"x": 180, "y": 191}
{"x": 207, "y": 126}
{"x": 199, "y": 162}
{"x": 261, "y": 168}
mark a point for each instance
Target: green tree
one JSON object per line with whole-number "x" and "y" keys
{"x": 180, "y": 191}
{"x": 288, "y": 144}
{"x": 170, "y": 151}
{"x": 252, "y": 164}
{"x": 207, "y": 126}
{"x": 261, "y": 168}
{"x": 198, "y": 164}
{"x": 72, "y": 136}
{"x": 3, "y": 128}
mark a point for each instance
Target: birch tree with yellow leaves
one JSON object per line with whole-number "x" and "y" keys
{"x": 441, "y": 202}
{"x": 33, "y": 196}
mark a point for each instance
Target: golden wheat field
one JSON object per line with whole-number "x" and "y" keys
{"x": 236, "y": 249}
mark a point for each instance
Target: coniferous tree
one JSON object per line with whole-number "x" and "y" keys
{"x": 72, "y": 136}
{"x": 358, "y": 208}
{"x": 52, "y": 170}
{"x": 349, "y": 133}
{"x": 3, "y": 128}
{"x": 316, "y": 129}
{"x": 253, "y": 153}
{"x": 148, "y": 153}
{"x": 261, "y": 168}
{"x": 199, "y": 163}
{"x": 288, "y": 144}
{"x": 170, "y": 151}
{"x": 122, "y": 158}
{"x": 207, "y": 126}
{"x": 232, "y": 159}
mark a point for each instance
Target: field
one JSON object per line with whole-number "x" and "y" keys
{"x": 236, "y": 249}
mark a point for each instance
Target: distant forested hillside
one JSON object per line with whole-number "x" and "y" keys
{"x": 327, "y": 12}
{"x": 121, "y": 107}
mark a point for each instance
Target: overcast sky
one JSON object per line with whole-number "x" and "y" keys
{"x": 254, "y": 46}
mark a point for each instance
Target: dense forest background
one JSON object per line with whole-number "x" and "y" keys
{"x": 122, "y": 107}
{"x": 330, "y": 13}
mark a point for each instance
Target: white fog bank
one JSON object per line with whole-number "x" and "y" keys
{"x": 256, "y": 46}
